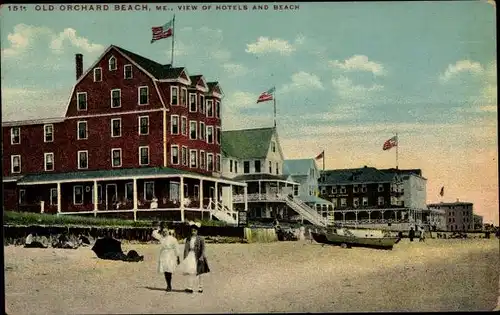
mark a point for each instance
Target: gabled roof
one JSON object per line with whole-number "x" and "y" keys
{"x": 356, "y": 175}
{"x": 213, "y": 87}
{"x": 246, "y": 143}
{"x": 298, "y": 166}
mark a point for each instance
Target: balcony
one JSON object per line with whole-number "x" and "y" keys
{"x": 260, "y": 197}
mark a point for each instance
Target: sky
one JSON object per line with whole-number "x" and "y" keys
{"x": 348, "y": 76}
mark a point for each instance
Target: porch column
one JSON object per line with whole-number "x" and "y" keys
{"x": 134, "y": 194}
{"x": 201, "y": 195}
{"x": 181, "y": 197}
{"x": 259, "y": 190}
{"x": 95, "y": 198}
{"x": 356, "y": 213}
{"x": 245, "y": 198}
{"x": 369, "y": 216}
{"x": 216, "y": 193}
{"x": 58, "y": 198}
{"x": 382, "y": 214}
{"x": 230, "y": 197}
{"x": 343, "y": 216}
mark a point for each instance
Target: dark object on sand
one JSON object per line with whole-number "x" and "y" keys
{"x": 64, "y": 242}
{"x": 111, "y": 249}
{"x": 347, "y": 239}
{"x": 35, "y": 242}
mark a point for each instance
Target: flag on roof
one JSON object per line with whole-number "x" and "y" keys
{"x": 392, "y": 142}
{"x": 165, "y": 31}
{"x": 441, "y": 193}
{"x": 266, "y": 96}
{"x": 321, "y": 155}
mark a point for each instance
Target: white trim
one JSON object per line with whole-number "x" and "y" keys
{"x": 171, "y": 96}
{"x": 112, "y": 120}
{"x": 78, "y": 130}
{"x": 12, "y": 157}
{"x": 185, "y": 121}
{"x": 202, "y": 133}
{"x": 125, "y": 72}
{"x": 184, "y": 149}
{"x": 97, "y": 68}
{"x": 216, "y": 112}
{"x": 179, "y": 80}
{"x": 20, "y": 123}
{"x": 204, "y": 160}
{"x": 201, "y": 104}
{"x": 145, "y": 184}
{"x": 139, "y": 125}
{"x": 99, "y": 189}
{"x": 109, "y": 63}
{"x": 172, "y": 155}
{"x": 172, "y": 125}
{"x": 211, "y": 106}
{"x": 50, "y": 197}
{"x": 196, "y": 156}
{"x": 195, "y": 102}
{"x": 215, "y": 94}
{"x": 121, "y": 113}
{"x": 195, "y": 129}
{"x": 45, "y": 155}
{"x": 206, "y": 134}
{"x": 139, "y": 95}
{"x": 78, "y": 159}
{"x": 217, "y": 132}
{"x": 12, "y": 135}
{"x": 112, "y": 160}
{"x": 74, "y": 195}
{"x": 120, "y": 98}
{"x": 78, "y": 102}
{"x": 45, "y": 132}
{"x": 218, "y": 165}
{"x": 212, "y": 155}
{"x": 184, "y": 91}
{"x": 140, "y": 160}
{"x": 201, "y": 88}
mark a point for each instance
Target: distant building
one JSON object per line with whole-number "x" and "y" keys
{"x": 478, "y": 222}
{"x": 458, "y": 215}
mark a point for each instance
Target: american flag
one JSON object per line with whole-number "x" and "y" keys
{"x": 266, "y": 96}
{"x": 321, "y": 155}
{"x": 392, "y": 142}
{"x": 164, "y": 31}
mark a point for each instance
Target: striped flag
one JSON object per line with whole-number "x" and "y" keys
{"x": 160, "y": 32}
{"x": 392, "y": 142}
{"x": 266, "y": 96}
{"x": 321, "y": 155}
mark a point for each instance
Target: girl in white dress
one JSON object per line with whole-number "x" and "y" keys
{"x": 169, "y": 253}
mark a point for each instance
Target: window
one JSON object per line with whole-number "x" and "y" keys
{"x": 15, "y": 135}
{"x": 53, "y": 196}
{"x": 364, "y": 188}
{"x": 184, "y": 97}
{"x": 277, "y": 168}
{"x": 365, "y": 201}
{"x": 273, "y": 146}
{"x": 217, "y": 109}
{"x": 49, "y": 161}
{"x": 380, "y": 200}
{"x": 144, "y": 155}
{"x": 184, "y": 126}
{"x": 193, "y": 158}
{"x": 334, "y": 189}
{"x": 22, "y": 196}
{"x": 186, "y": 191}
{"x": 116, "y": 157}
{"x": 15, "y": 162}
{"x": 174, "y": 124}
{"x": 335, "y": 202}
{"x": 174, "y": 152}
{"x": 83, "y": 160}
{"x": 256, "y": 165}
{"x": 217, "y": 135}
{"x": 236, "y": 167}
{"x": 343, "y": 202}
{"x": 196, "y": 192}
{"x": 210, "y": 134}
{"x": 210, "y": 162}
{"x": 193, "y": 126}
{"x": 184, "y": 156}
{"x": 112, "y": 63}
{"x": 356, "y": 202}
{"x": 97, "y": 74}
{"x": 127, "y": 71}
{"x": 202, "y": 104}
{"x": 149, "y": 190}
{"x": 355, "y": 188}
{"x": 202, "y": 131}
{"x": 143, "y": 125}
{"x": 78, "y": 195}
{"x": 270, "y": 167}
{"x": 246, "y": 167}
{"x": 231, "y": 166}
{"x": 295, "y": 190}
{"x": 342, "y": 189}
{"x": 129, "y": 191}
{"x": 143, "y": 95}
{"x": 116, "y": 127}
{"x": 82, "y": 130}
{"x": 217, "y": 163}
{"x": 81, "y": 98}
{"x": 116, "y": 98}
{"x": 380, "y": 187}
{"x": 210, "y": 108}
{"x": 48, "y": 133}
{"x": 192, "y": 103}
{"x": 203, "y": 159}
{"x": 174, "y": 95}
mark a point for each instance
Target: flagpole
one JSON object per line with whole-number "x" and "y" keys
{"x": 323, "y": 160}
{"x": 173, "y": 40}
{"x": 397, "y": 151}
{"x": 274, "y": 99}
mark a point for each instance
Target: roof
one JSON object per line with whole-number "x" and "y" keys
{"x": 253, "y": 177}
{"x": 417, "y": 172}
{"x": 157, "y": 70}
{"x": 246, "y": 143}
{"x": 194, "y": 79}
{"x": 298, "y": 166}
{"x": 356, "y": 175}
{"x": 314, "y": 199}
{"x": 449, "y": 204}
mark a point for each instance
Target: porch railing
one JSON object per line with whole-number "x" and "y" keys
{"x": 223, "y": 213}
{"x": 260, "y": 197}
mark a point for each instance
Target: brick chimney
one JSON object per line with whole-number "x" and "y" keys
{"x": 79, "y": 65}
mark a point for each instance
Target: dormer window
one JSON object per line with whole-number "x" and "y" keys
{"x": 127, "y": 71}
{"x": 112, "y": 63}
{"x": 174, "y": 95}
{"x": 97, "y": 74}
{"x": 81, "y": 98}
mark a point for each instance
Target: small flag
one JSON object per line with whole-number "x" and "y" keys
{"x": 266, "y": 96}
{"x": 392, "y": 142}
{"x": 441, "y": 193}
{"x": 321, "y": 155}
{"x": 160, "y": 32}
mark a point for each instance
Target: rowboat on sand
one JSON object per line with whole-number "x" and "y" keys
{"x": 355, "y": 238}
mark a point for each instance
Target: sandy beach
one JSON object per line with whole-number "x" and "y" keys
{"x": 438, "y": 275}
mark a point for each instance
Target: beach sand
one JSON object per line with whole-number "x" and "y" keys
{"x": 438, "y": 275}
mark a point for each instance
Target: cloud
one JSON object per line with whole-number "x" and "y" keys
{"x": 359, "y": 63}
{"x": 454, "y": 70}
{"x": 240, "y": 99}
{"x": 69, "y": 36}
{"x": 303, "y": 80}
{"x": 234, "y": 69}
{"x": 347, "y": 90}
{"x": 265, "y": 45}
{"x": 22, "y": 39}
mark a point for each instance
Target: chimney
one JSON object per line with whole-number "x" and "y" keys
{"x": 79, "y": 65}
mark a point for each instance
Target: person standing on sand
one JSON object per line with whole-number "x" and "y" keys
{"x": 169, "y": 253}
{"x": 411, "y": 234}
{"x": 195, "y": 261}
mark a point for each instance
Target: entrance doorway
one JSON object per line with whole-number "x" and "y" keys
{"x": 111, "y": 196}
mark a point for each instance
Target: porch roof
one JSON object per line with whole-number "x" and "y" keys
{"x": 264, "y": 177}
{"x": 118, "y": 174}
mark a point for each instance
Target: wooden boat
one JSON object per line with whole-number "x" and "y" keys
{"x": 358, "y": 238}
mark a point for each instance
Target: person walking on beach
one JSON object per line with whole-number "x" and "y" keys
{"x": 169, "y": 253}
{"x": 411, "y": 234}
{"x": 195, "y": 261}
